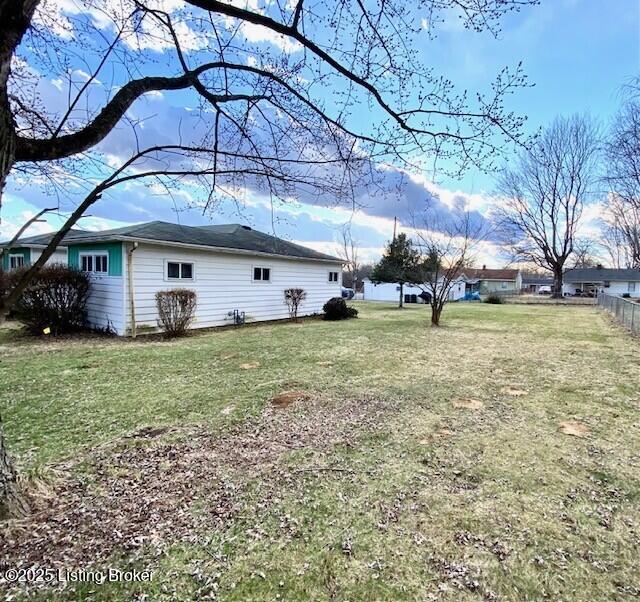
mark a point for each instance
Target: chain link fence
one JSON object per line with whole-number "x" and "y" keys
{"x": 626, "y": 311}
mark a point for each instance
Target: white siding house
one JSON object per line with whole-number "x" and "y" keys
{"x": 390, "y": 291}
{"x": 224, "y": 282}
{"x": 234, "y": 271}
{"x": 607, "y": 280}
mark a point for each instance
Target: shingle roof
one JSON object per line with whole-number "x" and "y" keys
{"x": 489, "y": 274}
{"x": 601, "y": 274}
{"x": 225, "y": 236}
{"x": 535, "y": 279}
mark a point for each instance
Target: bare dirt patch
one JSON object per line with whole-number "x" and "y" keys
{"x": 513, "y": 391}
{"x": 286, "y": 398}
{"x": 249, "y": 366}
{"x": 468, "y": 403}
{"x": 152, "y": 492}
{"x": 574, "y": 428}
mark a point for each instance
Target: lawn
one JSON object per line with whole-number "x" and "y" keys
{"x": 412, "y": 464}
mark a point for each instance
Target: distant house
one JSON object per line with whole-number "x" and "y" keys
{"x": 491, "y": 280}
{"x": 531, "y": 283}
{"x": 608, "y": 280}
{"x": 27, "y": 250}
{"x": 390, "y": 291}
{"x": 232, "y": 268}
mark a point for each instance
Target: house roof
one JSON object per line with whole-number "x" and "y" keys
{"x": 224, "y": 236}
{"x": 528, "y": 279}
{"x": 601, "y": 274}
{"x": 489, "y": 274}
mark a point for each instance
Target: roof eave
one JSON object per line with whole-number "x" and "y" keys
{"x": 229, "y": 250}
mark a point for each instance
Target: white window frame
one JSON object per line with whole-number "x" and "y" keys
{"x": 21, "y": 263}
{"x": 337, "y": 273}
{"x": 262, "y": 268}
{"x": 93, "y": 255}
{"x": 180, "y": 262}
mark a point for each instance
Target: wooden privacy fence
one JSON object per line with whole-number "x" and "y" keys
{"x": 626, "y": 311}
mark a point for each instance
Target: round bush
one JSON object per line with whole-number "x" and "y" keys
{"x": 336, "y": 308}
{"x": 56, "y": 298}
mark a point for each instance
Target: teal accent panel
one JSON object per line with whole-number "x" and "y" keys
{"x": 24, "y": 251}
{"x": 113, "y": 248}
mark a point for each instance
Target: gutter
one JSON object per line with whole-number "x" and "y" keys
{"x": 132, "y": 301}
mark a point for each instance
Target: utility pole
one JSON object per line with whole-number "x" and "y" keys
{"x": 395, "y": 221}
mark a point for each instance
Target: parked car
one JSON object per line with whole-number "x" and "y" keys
{"x": 348, "y": 293}
{"x": 544, "y": 290}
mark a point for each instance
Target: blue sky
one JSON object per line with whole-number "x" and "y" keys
{"x": 577, "y": 53}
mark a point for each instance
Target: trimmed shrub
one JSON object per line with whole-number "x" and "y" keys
{"x": 494, "y": 299}
{"x": 56, "y": 298}
{"x": 176, "y": 310}
{"x": 336, "y": 308}
{"x": 626, "y": 295}
{"x": 294, "y": 297}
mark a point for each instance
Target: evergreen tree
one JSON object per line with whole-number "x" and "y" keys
{"x": 398, "y": 264}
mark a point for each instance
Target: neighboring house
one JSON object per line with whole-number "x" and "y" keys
{"x": 390, "y": 291}
{"x": 232, "y": 268}
{"x": 531, "y": 283}
{"x": 490, "y": 280}
{"x": 27, "y": 250}
{"x": 608, "y": 280}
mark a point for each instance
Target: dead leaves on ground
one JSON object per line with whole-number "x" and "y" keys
{"x": 513, "y": 391}
{"x": 249, "y": 366}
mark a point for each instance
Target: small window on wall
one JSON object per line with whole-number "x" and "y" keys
{"x": 262, "y": 274}
{"x": 95, "y": 263}
{"x": 504, "y": 285}
{"x": 632, "y": 287}
{"x": 179, "y": 270}
{"x": 16, "y": 261}
{"x": 607, "y": 284}
{"x": 333, "y": 276}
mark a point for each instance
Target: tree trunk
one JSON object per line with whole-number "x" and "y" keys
{"x": 12, "y": 503}
{"x": 401, "y": 295}
{"x": 435, "y": 315}
{"x": 557, "y": 284}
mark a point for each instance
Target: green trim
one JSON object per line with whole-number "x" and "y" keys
{"x": 114, "y": 249}
{"x": 24, "y": 251}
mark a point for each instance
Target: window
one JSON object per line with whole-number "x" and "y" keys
{"x": 96, "y": 263}
{"x": 179, "y": 270}
{"x": 333, "y": 276}
{"x": 262, "y": 274}
{"x": 632, "y": 287}
{"x": 504, "y": 285}
{"x": 607, "y": 284}
{"x": 16, "y": 261}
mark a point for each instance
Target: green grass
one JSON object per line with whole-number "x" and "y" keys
{"x": 427, "y": 499}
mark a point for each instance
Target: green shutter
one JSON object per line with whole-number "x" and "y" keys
{"x": 113, "y": 248}
{"x": 24, "y": 251}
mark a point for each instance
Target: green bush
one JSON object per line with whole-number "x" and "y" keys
{"x": 176, "y": 310}
{"x": 56, "y": 298}
{"x": 336, "y": 308}
{"x": 494, "y": 299}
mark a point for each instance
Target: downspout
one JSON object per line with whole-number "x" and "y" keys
{"x": 132, "y": 301}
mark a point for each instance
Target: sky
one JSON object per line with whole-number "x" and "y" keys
{"x": 578, "y": 54}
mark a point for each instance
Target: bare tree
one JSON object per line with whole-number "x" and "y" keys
{"x": 446, "y": 245}
{"x": 348, "y": 251}
{"x": 584, "y": 253}
{"x": 544, "y": 193}
{"x": 294, "y": 297}
{"x": 623, "y": 177}
{"x": 275, "y": 117}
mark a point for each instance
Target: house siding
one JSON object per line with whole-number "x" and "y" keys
{"x": 105, "y": 308}
{"x": 24, "y": 251}
{"x": 58, "y": 256}
{"x": 615, "y": 287}
{"x": 223, "y": 282}
{"x": 388, "y": 291}
{"x": 114, "y": 250}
